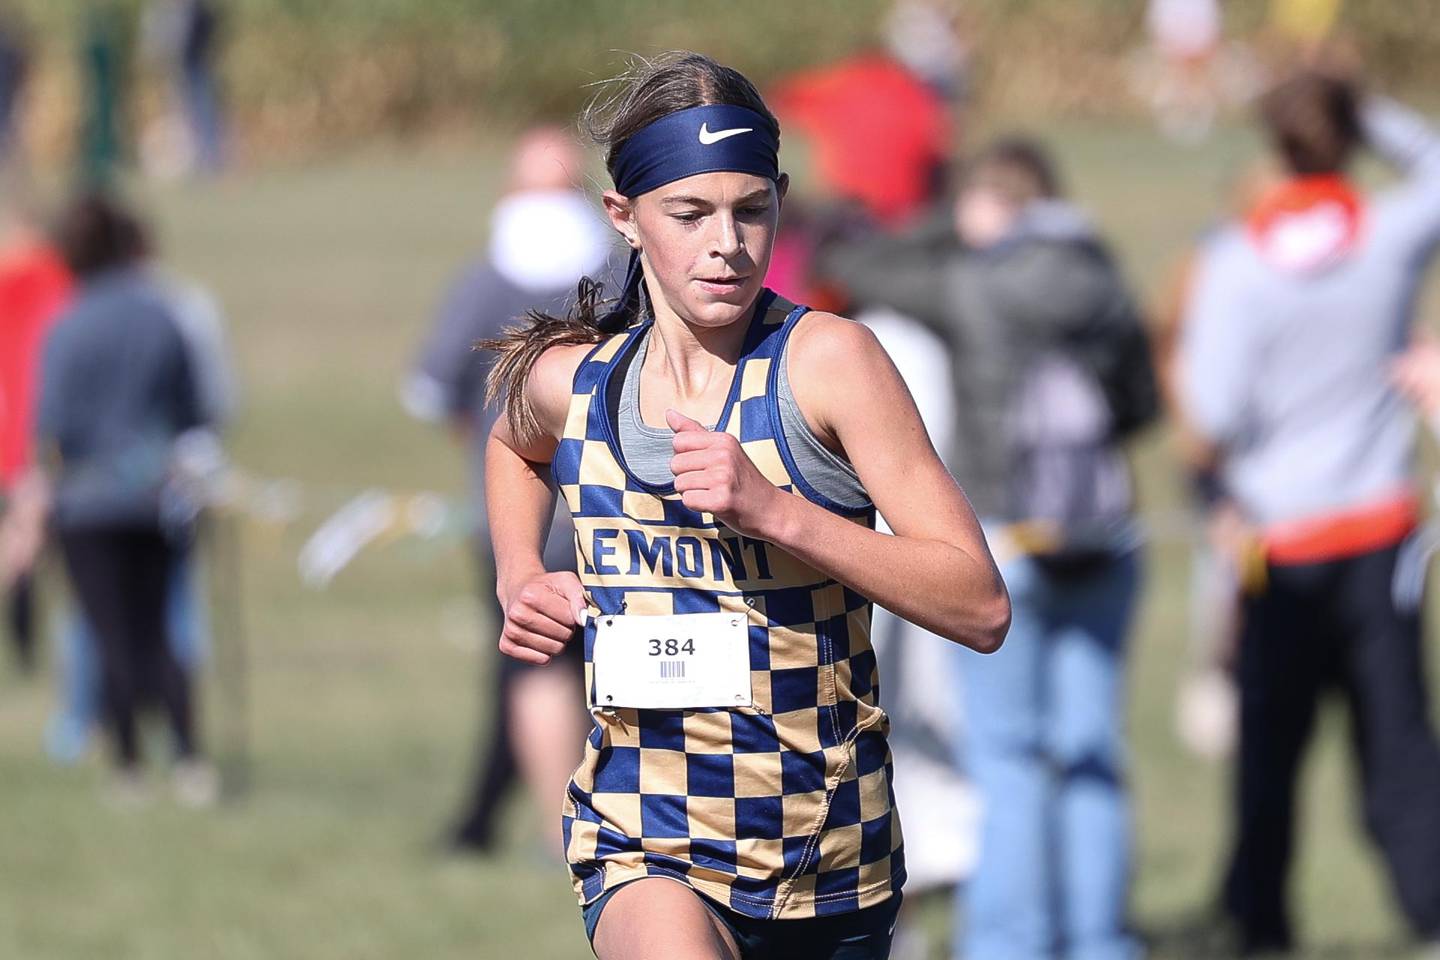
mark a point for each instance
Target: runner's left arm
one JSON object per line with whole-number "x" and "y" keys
{"x": 542, "y": 609}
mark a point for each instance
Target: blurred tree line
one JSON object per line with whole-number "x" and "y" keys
{"x": 306, "y": 75}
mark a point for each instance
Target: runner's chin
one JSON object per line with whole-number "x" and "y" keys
{"x": 719, "y": 304}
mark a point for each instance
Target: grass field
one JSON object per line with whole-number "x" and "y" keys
{"x": 362, "y": 698}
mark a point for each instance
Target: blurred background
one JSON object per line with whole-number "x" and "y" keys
{"x": 319, "y": 174}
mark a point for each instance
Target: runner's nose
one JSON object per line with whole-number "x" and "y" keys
{"x": 727, "y": 241}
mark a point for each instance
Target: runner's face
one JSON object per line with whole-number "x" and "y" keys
{"x": 706, "y": 242}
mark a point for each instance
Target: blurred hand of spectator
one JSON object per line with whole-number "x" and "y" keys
{"x": 1416, "y": 374}
{"x": 22, "y": 527}
{"x": 1232, "y": 536}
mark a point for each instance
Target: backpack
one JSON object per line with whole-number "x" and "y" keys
{"x": 1115, "y": 348}
{"x": 1070, "y": 491}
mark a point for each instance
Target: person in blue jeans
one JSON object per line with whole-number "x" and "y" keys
{"x": 1045, "y": 744}
{"x": 1051, "y": 371}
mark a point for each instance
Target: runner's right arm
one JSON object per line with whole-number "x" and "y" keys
{"x": 542, "y": 609}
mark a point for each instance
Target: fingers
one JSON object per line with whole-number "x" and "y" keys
{"x": 683, "y": 424}
{"x": 698, "y": 480}
{"x": 533, "y": 638}
{"x": 544, "y": 611}
{"x": 541, "y": 618}
{"x": 692, "y": 460}
{"x": 689, "y": 441}
{"x": 511, "y": 649}
{"x": 703, "y": 500}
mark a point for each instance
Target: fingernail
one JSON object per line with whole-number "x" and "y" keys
{"x": 581, "y": 616}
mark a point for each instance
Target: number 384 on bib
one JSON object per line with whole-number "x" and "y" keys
{"x": 671, "y": 647}
{"x": 682, "y": 662}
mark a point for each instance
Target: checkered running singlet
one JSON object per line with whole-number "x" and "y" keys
{"x": 781, "y": 810}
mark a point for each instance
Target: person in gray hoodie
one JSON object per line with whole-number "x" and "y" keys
{"x": 1051, "y": 372}
{"x": 1297, "y": 314}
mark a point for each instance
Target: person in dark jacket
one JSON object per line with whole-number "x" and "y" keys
{"x": 116, "y": 393}
{"x": 1051, "y": 371}
{"x": 186, "y": 39}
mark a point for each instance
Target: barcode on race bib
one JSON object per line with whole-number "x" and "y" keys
{"x": 672, "y": 669}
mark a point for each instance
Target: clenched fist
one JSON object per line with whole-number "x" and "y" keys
{"x": 713, "y": 475}
{"x": 541, "y": 617}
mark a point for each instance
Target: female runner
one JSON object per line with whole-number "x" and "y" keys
{"x": 723, "y": 453}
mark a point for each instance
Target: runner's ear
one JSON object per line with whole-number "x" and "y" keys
{"x": 621, "y": 213}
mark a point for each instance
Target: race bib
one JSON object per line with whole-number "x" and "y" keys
{"x": 680, "y": 662}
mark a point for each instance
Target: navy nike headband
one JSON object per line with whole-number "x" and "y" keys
{"x": 707, "y": 139}
{"x": 714, "y": 138}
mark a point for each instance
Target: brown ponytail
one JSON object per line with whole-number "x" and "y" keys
{"x": 520, "y": 346}
{"x": 647, "y": 91}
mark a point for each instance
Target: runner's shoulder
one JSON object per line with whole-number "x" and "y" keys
{"x": 552, "y": 380}
{"x": 833, "y": 362}
{"x": 826, "y": 344}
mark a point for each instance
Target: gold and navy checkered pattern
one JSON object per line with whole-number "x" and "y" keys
{"x": 781, "y": 810}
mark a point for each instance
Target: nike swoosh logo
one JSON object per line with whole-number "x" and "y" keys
{"x": 707, "y": 138}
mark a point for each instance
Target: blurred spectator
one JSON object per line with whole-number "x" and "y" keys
{"x": 34, "y": 286}
{"x": 184, "y": 38}
{"x": 879, "y": 128}
{"x": 929, "y": 38}
{"x": 806, "y": 228}
{"x": 1051, "y": 372}
{"x": 117, "y": 394}
{"x": 1183, "y": 90}
{"x": 1297, "y": 312}
{"x": 544, "y": 237}
{"x": 105, "y": 63}
{"x": 1189, "y": 72}
{"x": 941, "y": 810}
{"x": 15, "y": 56}
{"x": 1207, "y": 707}
{"x": 201, "y": 324}
{"x": 1184, "y": 30}
{"x": 879, "y": 131}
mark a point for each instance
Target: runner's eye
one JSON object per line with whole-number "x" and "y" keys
{"x": 689, "y": 216}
